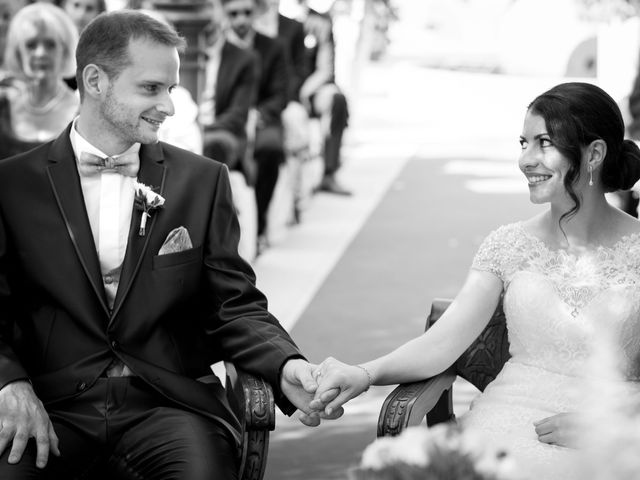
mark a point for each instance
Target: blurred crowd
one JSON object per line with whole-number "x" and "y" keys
{"x": 268, "y": 101}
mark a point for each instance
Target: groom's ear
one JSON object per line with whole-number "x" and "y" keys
{"x": 95, "y": 80}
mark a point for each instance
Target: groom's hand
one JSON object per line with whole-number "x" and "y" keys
{"x": 299, "y": 386}
{"x": 23, "y": 416}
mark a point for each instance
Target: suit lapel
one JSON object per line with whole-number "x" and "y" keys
{"x": 152, "y": 173}
{"x": 65, "y": 182}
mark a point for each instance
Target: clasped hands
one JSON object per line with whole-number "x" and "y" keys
{"x": 319, "y": 391}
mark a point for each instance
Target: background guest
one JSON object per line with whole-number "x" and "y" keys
{"x": 37, "y": 104}
{"x": 82, "y": 12}
{"x": 295, "y": 117}
{"x": 320, "y": 94}
{"x": 8, "y": 8}
{"x": 231, "y": 77}
{"x": 274, "y": 24}
{"x": 271, "y": 99}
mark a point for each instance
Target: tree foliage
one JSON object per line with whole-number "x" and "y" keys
{"x": 608, "y": 10}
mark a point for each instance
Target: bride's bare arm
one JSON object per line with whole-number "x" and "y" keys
{"x": 426, "y": 355}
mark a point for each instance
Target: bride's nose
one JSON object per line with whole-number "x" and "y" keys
{"x": 528, "y": 158}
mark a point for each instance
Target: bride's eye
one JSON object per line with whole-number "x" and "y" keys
{"x": 523, "y": 143}
{"x": 545, "y": 142}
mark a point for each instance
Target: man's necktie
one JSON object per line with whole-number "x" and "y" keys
{"x": 90, "y": 164}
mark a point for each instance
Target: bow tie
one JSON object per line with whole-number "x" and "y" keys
{"x": 90, "y": 164}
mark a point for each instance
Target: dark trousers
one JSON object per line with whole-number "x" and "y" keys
{"x": 269, "y": 155}
{"x": 121, "y": 429}
{"x": 333, "y": 141}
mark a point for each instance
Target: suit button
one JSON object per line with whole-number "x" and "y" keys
{"x": 115, "y": 345}
{"x": 81, "y": 386}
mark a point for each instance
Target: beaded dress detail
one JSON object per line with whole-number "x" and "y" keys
{"x": 557, "y": 305}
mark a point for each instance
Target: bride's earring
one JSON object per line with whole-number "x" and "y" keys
{"x": 590, "y": 176}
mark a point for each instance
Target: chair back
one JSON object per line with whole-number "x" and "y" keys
{"x": 485, "y": 357}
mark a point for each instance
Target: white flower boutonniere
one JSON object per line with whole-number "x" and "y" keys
{"x": 146, "y": 200}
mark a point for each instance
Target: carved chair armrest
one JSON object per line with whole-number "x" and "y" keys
{"x": 409, "y": 403}
{"x": 254, "y": 404}
{"x": 251, "y": 398}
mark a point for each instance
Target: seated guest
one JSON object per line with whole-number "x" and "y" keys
{"x": 291, "y": 32}
{"x": 271, "y": 99}
{"x": 320, "y": 94}
{"x": 8, "y": 8}
{"x": 82, "y": 12}
{"x": 295, "y": 117}
{"x": 229, "y": 92}
{"x": 36, "y": 104}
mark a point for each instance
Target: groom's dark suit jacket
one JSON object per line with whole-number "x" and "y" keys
{"x": 173, "y": 315}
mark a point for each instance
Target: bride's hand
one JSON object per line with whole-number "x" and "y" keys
{"x": 333, "y": 375}
{"x": 563, "y": 429}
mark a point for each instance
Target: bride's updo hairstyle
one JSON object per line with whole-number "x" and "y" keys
{"x": 575, "y": 115}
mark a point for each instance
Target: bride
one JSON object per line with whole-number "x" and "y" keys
{"x": 570, "y": 278}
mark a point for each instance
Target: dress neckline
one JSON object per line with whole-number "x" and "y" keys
{"x": 623, "y": 240}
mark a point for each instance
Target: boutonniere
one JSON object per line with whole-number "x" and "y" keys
{"x": 146, "y": 200}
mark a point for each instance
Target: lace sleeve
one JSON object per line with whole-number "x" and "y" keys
{"x": 490, "y": 257}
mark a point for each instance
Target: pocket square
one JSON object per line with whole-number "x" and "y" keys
{"x": 177, "y": 241}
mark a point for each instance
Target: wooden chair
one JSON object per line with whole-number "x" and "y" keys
{"x": 432, "y": 398}
{"x": 254, "y": 404}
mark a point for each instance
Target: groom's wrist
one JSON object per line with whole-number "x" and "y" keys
{"x": 281, "y": 399}
{"x": 281, "y": 371}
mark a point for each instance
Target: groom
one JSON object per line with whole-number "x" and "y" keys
{"x": 112, "y": 302}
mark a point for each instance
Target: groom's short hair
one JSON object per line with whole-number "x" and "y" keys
{"x": 105, "y": 41}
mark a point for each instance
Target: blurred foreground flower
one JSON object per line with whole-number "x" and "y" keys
{"x": 442, "y": 452}
{"x": 612, "y": 442}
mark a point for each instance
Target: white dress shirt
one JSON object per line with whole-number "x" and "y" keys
{"x": 108, "y": 197}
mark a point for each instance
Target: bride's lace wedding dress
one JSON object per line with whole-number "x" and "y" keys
{"x": 557, "y": 306}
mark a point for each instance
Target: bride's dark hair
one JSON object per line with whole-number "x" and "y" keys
{"x": 575, "y": 115}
